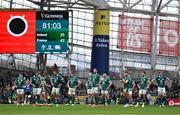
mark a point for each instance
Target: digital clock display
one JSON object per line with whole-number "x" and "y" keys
{"x": 52, "y": 31}
{"x": 51, "y": 26}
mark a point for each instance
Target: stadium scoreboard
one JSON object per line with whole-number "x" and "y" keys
{"x": 52, "y": 29}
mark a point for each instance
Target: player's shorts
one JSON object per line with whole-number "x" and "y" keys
{"x": 161, "y": 90}
{"x": 37, "y": 91}
{"x": 104, "y": 92}
{"x": 55, "y": 90}
{"x": 89, "y": 91}
{"x": 142, "y": 91}
{"x": 20, "y": 91}
{"x": 128, "y": 90}
{"x": 95, "y": 90}
{"x": 27, "y": 93}
{"x": 72, "y": 91}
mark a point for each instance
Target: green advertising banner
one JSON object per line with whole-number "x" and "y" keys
{"x": 52, "y": 31}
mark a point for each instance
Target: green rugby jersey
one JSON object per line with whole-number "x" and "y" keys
{"x": 89, "y": 82}
{"x": 56, "y": 80}
{"x": 129, "y": 84}
{"x": 73, "y": 82}
{"x": 36, "y": 80}
{"x": 95, "y": 79}
{"x": 160, "y": 80}
{"x": 105, "y": 83}
{"x": 20, "y": 82}
{"x": 143, "y": 82}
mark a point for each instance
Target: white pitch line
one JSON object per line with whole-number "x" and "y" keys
{"x": 89, "y": 114}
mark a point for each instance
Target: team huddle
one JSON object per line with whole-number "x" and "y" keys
{"x": 39, "y": 84}
{"x": 143, "y": 85}
{"x": 96, "y": 86}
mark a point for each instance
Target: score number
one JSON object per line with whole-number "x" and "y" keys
{"x": 51, "y": 26}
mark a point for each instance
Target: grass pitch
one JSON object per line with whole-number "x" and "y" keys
{"x": 85, "y": 110}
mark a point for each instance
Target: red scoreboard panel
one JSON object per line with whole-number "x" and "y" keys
{"x": 17, "y": 31}
{"x": 169, "y": 43}
{"x": 134, "y": 33}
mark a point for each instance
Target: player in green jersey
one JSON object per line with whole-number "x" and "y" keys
{"x": 89, "y": 88}
{"x": 143, "y": 86}
{"x": 160, "y": 81}
{"x": 56, "y": 83}
{"x": 105, "y": 85}
{"x": 44, "y": 86}
{"x": 20, "y": 85}
{"x": 95, "y": 87}
{"x": 128, "y": 86}
{"x": 72, "y": 84}
{"x": 36, "y": 83}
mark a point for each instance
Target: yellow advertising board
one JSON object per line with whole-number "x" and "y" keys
{"x": 101, "y": 22}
